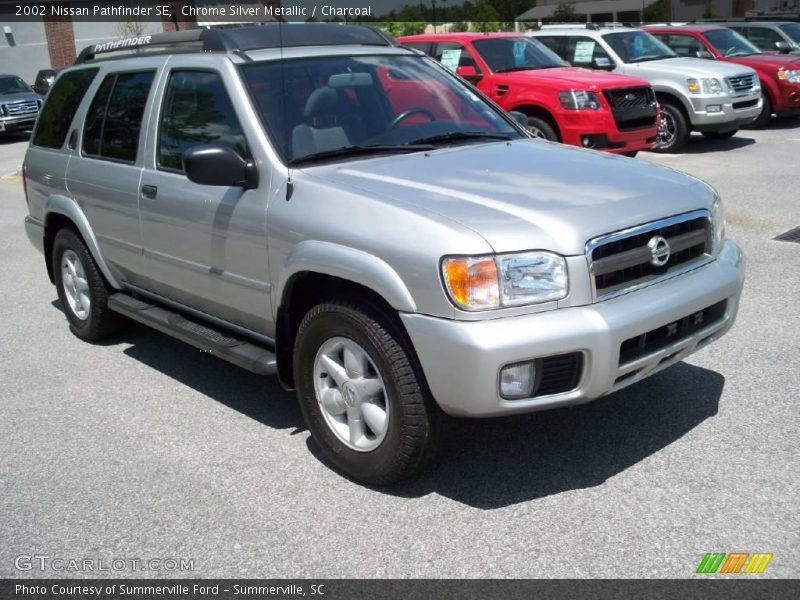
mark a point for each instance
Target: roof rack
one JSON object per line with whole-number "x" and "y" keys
{"x": 243, "y": 39}
{"x": 591, "y": 26}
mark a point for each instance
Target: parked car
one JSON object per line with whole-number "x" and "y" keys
{"x": 779, "y": 75}
{"x": 44, "y": 81}
{"x": 715, "y": 99}
{"x": 274, "y": 199}
{"x": 19, "y": 105}
{"x": 777, "y": 37}
{"x": 603, "y": 111}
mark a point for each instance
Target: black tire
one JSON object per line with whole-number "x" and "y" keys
{"x": 631, "y": 154}
{"x": 542, "y": 129}
{"x": 100, "y": 321}
{"x": 413, "y": 424}
{"x": 716, "y": 135}
{"x": 678, "y": 130}
{"x": 765, "y": 116}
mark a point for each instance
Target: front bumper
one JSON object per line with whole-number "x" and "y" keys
{"x": 788, "y": 102}
{"x": 23, "y": 123}
{"x": 462, "y": 360}
{"x": 733, "y": 113}
{"x": 601, "y": 129}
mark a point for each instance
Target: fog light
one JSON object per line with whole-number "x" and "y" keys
{"x": 714, "y": 108}
{"x": 517, "y": 380}
{"x": 586, "y": 141}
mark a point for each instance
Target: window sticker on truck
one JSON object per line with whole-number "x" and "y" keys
{"x": 451, "y": 58}
{"x": 583, "y": 51}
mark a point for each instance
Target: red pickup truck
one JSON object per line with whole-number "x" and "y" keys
{"x": 604, "y": 111}
{"x": 779, "y": 74}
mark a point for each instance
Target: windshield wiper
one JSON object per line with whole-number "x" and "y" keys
{"x": 461, "y": 135}
{"x": 648, "y": 57}
{"x": 357, "y": 149}
{"x": 532, "y": 68}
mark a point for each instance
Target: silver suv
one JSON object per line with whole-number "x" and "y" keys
{"x": 713, "y": 98}
{"x": 313, "y": 201}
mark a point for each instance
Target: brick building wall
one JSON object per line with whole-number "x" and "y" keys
{"x": 60, "y": 41}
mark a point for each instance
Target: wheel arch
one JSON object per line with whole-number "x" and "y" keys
{"x": 60, "y": 212}
{"x": 321, "y": 271}
{"x": 537, "y": 110}
{"x": 666, "y": 95}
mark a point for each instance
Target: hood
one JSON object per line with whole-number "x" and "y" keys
{"x": 770, "y": 62}
{"x": 19, "y": 97}
{"x": 692, "y": 67}
{"x": 573, "y": 78}
{"x": 526, "y": 194}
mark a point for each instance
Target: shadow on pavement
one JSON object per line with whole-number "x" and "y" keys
{"x": 700, "y": 144}
{"x": 484, "y": 463}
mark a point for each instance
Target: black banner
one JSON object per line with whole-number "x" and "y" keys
{"x": 734, "y": 588}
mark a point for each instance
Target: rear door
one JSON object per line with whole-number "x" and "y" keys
{"x": 104, "y": 171}
{"x": 205, "y": 246}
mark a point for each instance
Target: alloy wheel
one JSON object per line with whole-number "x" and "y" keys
{"x": 76, "y": 287}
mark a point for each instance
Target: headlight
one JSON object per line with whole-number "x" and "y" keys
{"x": 579, "y": 100}
{"x": 718, "y": 222}
{"x": 704, "y": 86}
{"x": 792, "y": 76}
{"x": 482, "y": 283}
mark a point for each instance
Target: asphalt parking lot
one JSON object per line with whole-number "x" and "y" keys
{"x": 143, "y": 448}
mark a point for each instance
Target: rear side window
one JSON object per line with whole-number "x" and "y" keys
{"x": 197, "y": 110}
{"x": 114, "y": 120}
{"x": 62, "y": 102}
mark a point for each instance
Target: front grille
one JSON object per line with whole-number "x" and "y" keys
{"x": 741, "y": 84}
{"x": 657, "y": 339}
{"x": 633, "y": 257}
{"x": 560, "y": 373}
{"x": 633, "y": 108}
{"x": 22, "y": 107}
{"x": 627, "y": 97}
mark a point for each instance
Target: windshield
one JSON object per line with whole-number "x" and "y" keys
{"x": 792, "y": 30}
{"x": 13, "y": 85}
{"x": 516, "y": 54}
{"x": 637, "y": 46}
{"x": 729, "y": 43}
{"x": 352, "y": 105}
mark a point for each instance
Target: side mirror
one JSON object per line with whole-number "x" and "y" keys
{"x": 216, "y": 164}
{"x": 603, "y": 64}
{"x": 469, "y": 73}
{"x": 704, "y": 54}
{"x": 783, "y": 47}
{"x": 520, "y": 118}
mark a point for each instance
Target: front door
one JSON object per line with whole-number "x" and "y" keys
{"x": 204, "y": 246}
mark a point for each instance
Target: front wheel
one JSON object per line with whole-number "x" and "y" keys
{"x": 541, "y": 129}
{"x": 765, "y": 115}
{"x": 672, "y": 130}
{"x": 361, "y": 398}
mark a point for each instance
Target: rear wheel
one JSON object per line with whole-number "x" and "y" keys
{"x": 541, "y": 129}
{"x": 360, "y": 395}
{"x": 672, "y": 130}
{"x": 716, "y": 135}
{"x": 81, "y": 288}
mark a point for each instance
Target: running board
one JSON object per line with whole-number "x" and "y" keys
{"x": 239, "y": 352}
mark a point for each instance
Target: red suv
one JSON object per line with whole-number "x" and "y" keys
{"x": 779, "y": 74}
{"x": 604, "y": 111}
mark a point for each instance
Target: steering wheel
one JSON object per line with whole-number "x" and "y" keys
{"x": 417, "y": 110}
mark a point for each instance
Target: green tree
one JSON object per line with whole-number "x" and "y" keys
{"x": 565, "y": 13}
{"x": 485, "y": 17}
{"x": 459, "y": 26}
{"x": 708, "y": 10}
{"x": 655, "y": 13}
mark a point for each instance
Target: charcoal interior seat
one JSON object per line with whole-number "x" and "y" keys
{"x": 329, "y": 125}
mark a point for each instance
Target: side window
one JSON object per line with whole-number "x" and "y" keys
{"x": 552, "y": 42}
{"x": 581, "y": 51}
{"x": 683, "y": 45}
{"x": 764, "y": 37}
{"x": 423, "y": 46}
{"x": 453, "y": 55}
{"x": 114, "y": 120}
{"x": 197, "y": 110}
{"x": 62, "y": 102}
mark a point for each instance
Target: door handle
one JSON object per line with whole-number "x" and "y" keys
{"x": 149, "y": 191}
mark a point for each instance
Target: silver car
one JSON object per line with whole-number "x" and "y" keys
{"x": 715, "y": 99}
{"x": 316, "y": 202}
